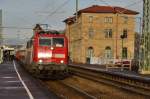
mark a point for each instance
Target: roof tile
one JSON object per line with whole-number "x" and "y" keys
{"x": 107, "y": 9}
{"x": 103, "y": 9}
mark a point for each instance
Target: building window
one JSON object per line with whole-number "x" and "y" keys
{"x": 125, "y": 19}
{"x": 108, "y": 33}
{"x": 91, "y": 32}
{"x": 108, "y": 20}
{"x": 124, "y": 53}
{"x": 125, "y": 33}
{"x": 108, "y": 52}
{"x": 90, "y": 19}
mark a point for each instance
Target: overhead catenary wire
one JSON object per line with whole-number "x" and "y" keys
{"x": 46, "y": 9}
{"x": 15, "y": 27}
{"x": 57, "y": 9}
{"x": 132, "y": 4}
{"x": 121, "y": 12}
{"x": 49, "y": 4}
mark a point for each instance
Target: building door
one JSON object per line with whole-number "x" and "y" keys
{"x": 90, "y": 53}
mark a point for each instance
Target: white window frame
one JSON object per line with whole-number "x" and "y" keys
{"x": 91, "y": 19}
{"x": 108, "y": 52}
{"x": 108, "y": 20}
{"x": 108, "y": 33}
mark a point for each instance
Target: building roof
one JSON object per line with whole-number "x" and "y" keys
{"x": 107, "y": 9}
{"x": 103, "y": 9}
{"x": 70, "y": 19}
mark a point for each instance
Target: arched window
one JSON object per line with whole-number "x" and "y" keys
{"x": 108, "y": 52}
{"x": 90, "y": 52}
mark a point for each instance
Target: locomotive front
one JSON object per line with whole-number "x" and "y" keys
{"x": 50, "y": 52}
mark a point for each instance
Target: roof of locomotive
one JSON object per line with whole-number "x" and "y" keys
{"x": 49, "y": 34}
{"x": 39, "y": 31}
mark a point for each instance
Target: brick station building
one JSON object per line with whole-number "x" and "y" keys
{"x": 96, "y": 35}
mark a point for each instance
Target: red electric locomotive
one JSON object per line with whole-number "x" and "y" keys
{"x": 46, "y": 54}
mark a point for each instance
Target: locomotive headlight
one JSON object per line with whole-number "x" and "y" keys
{"x": 40, "y": 61}
{"x": 62, "y": 61}
{"x": 52, "y": 48}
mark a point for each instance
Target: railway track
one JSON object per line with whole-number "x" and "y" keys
{"x": 134, "y": 84}
{"x": 75, "y": 87}
{"x": 95, "y": 84}
{"x": 66, "y": 90}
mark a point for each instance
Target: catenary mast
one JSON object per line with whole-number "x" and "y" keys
{"x": 1, "y": 39}
{"x": 145, "y": 44}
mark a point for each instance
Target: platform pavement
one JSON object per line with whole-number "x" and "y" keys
{"x": 24, "y": 87}
{"x": 117, "y": 71}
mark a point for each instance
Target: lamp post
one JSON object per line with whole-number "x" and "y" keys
{"x": 122, "y": 38}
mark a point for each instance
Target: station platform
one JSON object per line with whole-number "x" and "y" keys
{"x": 15, "y": 83}
{"x": 116, "y": 71}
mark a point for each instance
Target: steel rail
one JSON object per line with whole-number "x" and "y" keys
{"x": 70, "y": 87}
{"x": 82, "y": 92}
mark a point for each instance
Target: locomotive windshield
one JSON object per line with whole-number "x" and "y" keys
{"x": 57, "y": 42}
{"x": 45, "y": 41}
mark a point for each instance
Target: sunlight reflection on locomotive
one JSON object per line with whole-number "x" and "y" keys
{"x": 44, "y": 55}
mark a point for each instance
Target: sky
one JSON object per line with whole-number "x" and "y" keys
{"x": 23, "y": 14}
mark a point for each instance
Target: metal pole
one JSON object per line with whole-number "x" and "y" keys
{"x": 76, "y": 10}
{"x": 122, "y": 37}
{"x": 139, "y": 51}
{"x": 1, "y": 38}
{"x": 116, "y": 41}
{"x": 122, "y": 48}
{"x": 18, "y": 36}
{"x": 145, "y": 66}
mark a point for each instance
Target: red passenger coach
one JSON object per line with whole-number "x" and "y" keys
{"x": 20, "y": 55}
{"x": 46, "y": 53}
